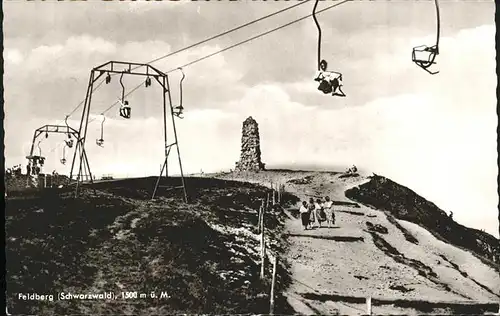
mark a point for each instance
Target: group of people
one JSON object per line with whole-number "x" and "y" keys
{"x": 315, "y": 213}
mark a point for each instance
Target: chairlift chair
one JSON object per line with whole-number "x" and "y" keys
{"x": 63, "y": 159}
{"x": 179, "y": 109}
{"x": 100, "y": 141}
{"x": 69, "y": 143}
{"x": 424, "y": 56}
{"x": 39, "y": 148}
{"x": 69, "y": 134}
{"x": 329, "y": 81}
{"x": 125, "y": 109}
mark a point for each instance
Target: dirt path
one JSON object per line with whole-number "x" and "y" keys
{"x": 334, "y": 269}
{"x": 313, "y": 253}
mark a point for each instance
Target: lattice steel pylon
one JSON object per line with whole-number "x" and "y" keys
{"x": 129, "y": 68}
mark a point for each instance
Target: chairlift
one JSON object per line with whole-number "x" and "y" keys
{"x": 329, "y": 81}
{"x": 63, "y": 159}
{"x": 108, "y": 78}
{"x": 67, "y": 128}
{"x": 148, "y": 82}
{"x": 39, "y": 148}
{"x": 39, "y": 158}
{"x": 100, "y": 141}
{"x": 424, "y": 56}
{"x": 179, "y": 109}
{"x": 69, "y": 143}
{"x": 125, "y": 109}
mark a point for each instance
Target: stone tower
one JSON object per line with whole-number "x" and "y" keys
{"x": 250, "y": 147}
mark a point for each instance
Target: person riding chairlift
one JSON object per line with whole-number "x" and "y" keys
{"x": 125, "y": 109}
{"x": 330, "y": 81}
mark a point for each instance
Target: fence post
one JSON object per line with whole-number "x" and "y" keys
{"x": 271, "y": 309}
{"x": 278, "y": 186}
{"x": 279, "y": 193}
{"x": 369, "y": 305}
{"x": 259, "y": 224}
{"x": 262, "y": 246}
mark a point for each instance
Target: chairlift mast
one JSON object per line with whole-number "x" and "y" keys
{"x": 58, "y": 129}
{"x": 133, "y": 69}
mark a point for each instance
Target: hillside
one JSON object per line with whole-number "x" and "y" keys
{"x": 373, "y": 251}
{"x": 404, "y": 204}
{"x": 388, "y": 243}
{"x": 204, "y": 254}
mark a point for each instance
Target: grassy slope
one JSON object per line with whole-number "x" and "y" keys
{"x": 203, "y": 254}
{"x": 402, "y": 203}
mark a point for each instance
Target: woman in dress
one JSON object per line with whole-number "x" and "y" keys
{"x": 312, "y": 216}
{"x": 304, "y": 214}
{"x": 320, "y": 214}
{"x": 328, "y": 208}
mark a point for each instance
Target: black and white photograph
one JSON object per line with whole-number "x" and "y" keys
{"x": 257, "y": 157}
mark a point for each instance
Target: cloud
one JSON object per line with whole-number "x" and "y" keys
{"x": 144, "y": 6}
{"x": 13, "y": 56}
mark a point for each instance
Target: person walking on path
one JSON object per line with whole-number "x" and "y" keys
{"x": 304, "y": 215}
{"x": 320, "y": 214}
{"x": 312, "y": 216}
{"x": 328, "y": 208}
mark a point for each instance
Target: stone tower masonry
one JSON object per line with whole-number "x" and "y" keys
{"x": 250, "y": 147}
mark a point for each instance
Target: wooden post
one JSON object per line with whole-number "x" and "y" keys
{"x": 369, "y": 305}
{"x": 279, "y": 194}
{"x": 282, "y": 190}
{"x": 259, "y": 223}
{"x": 262, "y": 247}
{"x": 271, "y": 309}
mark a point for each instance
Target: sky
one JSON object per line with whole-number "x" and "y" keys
{"x": 433, "y": 134}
